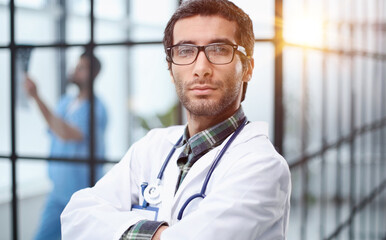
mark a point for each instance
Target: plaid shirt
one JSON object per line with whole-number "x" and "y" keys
{"x": 194, "y": 148}
{"x": 204, "y": 141}
{"x": 142, "y": 230}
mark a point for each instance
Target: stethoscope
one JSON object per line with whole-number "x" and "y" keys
{"x": 152, "y": 193}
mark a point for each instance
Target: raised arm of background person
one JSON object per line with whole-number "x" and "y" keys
{"x": 62, "y": 129}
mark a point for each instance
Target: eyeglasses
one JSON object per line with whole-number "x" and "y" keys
{"x": 216, "y": 53}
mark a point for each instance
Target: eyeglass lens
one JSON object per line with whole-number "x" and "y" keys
{"x": 217, "y": 54}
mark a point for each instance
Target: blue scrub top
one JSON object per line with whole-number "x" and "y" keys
{"x": 70, "y": 177}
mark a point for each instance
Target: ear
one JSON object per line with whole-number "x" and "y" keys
{"x": 249, "y": 70}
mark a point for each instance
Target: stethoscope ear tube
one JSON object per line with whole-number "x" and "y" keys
{"x": 161, "y": 172}
{"x": 152, "y": 193}
{"x": 214, "y": 164}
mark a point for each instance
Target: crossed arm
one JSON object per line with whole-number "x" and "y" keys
{"x": 257, "y": 209}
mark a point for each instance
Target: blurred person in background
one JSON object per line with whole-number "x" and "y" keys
{"x": 70, "y": 138}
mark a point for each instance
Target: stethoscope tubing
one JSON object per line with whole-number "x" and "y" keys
{"x": 162, "y": 170}
{"x": 211, "y": 170}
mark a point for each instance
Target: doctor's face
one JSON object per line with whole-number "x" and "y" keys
{"x": 81, "y": 74}
{"x": 204, "y": 88}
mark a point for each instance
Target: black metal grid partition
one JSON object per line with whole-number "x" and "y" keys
{"x": 338, "y": 120}
{"x": 61, "y": 45}
{"x": 333, "y": 135}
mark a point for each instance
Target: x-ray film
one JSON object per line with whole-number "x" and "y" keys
{"x": 23, "y": 56}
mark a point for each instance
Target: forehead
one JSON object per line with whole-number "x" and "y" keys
{"x": 204, "y": 30}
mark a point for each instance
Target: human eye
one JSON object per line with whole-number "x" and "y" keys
{"x": 221, "y": 49}
{"x": 185, "y": 51}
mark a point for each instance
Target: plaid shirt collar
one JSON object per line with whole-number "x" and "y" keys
{"x": 213, "y": 136}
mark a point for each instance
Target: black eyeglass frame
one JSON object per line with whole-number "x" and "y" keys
{"x": 235, "y": 48}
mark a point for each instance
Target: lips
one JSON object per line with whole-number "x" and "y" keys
{"x": 202, "y": 89}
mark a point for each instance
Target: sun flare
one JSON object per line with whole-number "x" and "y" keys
{"x": 304, "y": 30}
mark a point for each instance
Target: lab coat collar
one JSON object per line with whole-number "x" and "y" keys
{"x": 252, "y": 129}
{"x": 175, "y": 133}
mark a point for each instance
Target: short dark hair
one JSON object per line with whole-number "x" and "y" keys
{"x": 224, "y": 8}
{"x": 96, "y": 64}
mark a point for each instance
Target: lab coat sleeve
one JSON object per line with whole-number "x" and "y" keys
{"x": 103, "y": 212}
{"x": 250, "y": 201}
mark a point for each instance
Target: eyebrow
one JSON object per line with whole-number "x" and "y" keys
{"x": 216, "y": 40}
{"x": 222, "y": 40}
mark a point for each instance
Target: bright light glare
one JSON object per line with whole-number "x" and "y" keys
{"x": 303, "y": 30}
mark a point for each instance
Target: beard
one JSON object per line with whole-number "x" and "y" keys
{"x": 78, "y": 82}
{"x": 207, "y": 105}
{"x": 72, "y": 80}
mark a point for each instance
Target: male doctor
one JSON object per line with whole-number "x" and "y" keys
{"x": 167, "y": 186}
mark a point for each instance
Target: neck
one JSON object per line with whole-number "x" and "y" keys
{"x": 197, "y": 123}
{"x": 83, "y": 94}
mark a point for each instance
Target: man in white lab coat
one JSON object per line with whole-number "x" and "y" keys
{"x": 218, "y": 177}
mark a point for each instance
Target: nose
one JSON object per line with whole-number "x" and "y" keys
{"x": 202, "y": 66}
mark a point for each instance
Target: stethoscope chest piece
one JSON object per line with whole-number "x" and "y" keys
{"x": 152, "y": 194}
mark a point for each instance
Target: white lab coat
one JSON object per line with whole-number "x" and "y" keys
{"x": 247, "y": 196}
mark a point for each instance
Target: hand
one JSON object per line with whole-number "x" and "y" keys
{"x": 157, "y": 235}
{"x": 30, "y": 87}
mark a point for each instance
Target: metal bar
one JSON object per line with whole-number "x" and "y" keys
{"x": 364, "y": 143}
{"x": 352, "y": 99}
{"x": 62, "y": 52}
{"x": 132, "y": 118}
{"x": 323, "y": 174}
{"x": 378, "y": 55}
{"x": 304, "y": 203}
{"x": 278, "y": 92}
{"x": 376, "y": 206}
{"x": 338, "y": 190}
{"x": 13, "y": 121}
{"x": 382, "y": 168}
{"x": 344, "y": 139}
{"x": 294, "y": 163}
{"x": 370, "y": 143}
{"x": 377, "y": 111}
{"x": 92, "y": 119}
{"x": 373, "y": 144}
{"x": 72, "y": 160}
{"x": 324, "y": 117}
{"x": 122, "y": 43}
{"x": 180, "y": 107}
{"x": 67, "y": 45}
{"x": 304, "y": 137}
{"x": 304, "y": 141}
{"x": 357, "y": 208}
{"x": 344, "y": 52}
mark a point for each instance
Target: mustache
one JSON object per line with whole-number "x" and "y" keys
{"x": 204, "y": 81}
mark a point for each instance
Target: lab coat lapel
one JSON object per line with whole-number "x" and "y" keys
{"x": 169, "y": 183}
{"x": 170, "y": 178}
